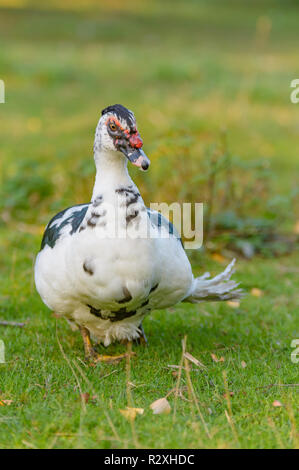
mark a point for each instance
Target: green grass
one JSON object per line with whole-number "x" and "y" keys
{"x": 188, "y": 73}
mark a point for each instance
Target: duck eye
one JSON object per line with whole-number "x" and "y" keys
{"x": 112, "y": 126}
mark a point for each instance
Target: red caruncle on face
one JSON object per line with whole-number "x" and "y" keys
{"x": 132, "y": 136}
{"x": 135, "y": 140}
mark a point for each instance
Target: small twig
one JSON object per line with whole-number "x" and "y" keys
{"x": 11, "y": 323}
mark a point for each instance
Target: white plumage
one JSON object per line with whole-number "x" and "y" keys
{"x": 98, "y": 267}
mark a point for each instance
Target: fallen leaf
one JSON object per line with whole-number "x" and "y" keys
{"x": 7, "y": 402}
{"x": 131, "y": 413}
{"x": 216, "y": 359}
{"x": 277, "y": 403}
{"x": 233, "y": 303}
{"x": 243, "y": 364}
{"x": 160, "y": 406}
{"x": 256, "y": 292}
{"x": 218, "y": 257}
{"x": 194, "y": 360}
{"x": 85, "y": 397}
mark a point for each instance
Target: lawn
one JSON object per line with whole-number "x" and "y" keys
{"x": 191, "y": 73}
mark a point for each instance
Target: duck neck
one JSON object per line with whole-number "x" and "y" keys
{"x": 111, "y": 172}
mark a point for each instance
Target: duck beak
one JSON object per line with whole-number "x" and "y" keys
{"x": 138, "y": 158}
{"x": 130, "y": 145}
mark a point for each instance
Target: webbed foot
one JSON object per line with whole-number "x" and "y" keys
{"x": 93, "y": 356}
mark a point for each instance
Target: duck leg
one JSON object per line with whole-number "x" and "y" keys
{"x": 91, "y": 354}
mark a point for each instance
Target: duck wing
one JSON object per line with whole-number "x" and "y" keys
{"x": 64, "y": 223}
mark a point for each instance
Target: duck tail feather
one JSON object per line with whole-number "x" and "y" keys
{"x": 220, "y": 287}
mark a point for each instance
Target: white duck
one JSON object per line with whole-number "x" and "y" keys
{"x": 98, "y": 269}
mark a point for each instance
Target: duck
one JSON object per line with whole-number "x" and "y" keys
{"x": 99, "y": 269}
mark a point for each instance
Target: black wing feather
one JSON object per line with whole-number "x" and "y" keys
{"x": 52, "y": 234}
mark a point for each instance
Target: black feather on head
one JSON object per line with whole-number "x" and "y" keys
{"x": 121, "y": 112}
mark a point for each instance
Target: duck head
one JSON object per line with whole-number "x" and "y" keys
{"x": 117, "y": 132}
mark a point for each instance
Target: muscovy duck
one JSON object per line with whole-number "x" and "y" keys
{"x": 96, "y": 266}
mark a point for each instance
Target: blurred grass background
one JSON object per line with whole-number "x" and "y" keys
{"x": 209, "y": 82}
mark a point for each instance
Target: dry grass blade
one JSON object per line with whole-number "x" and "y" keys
{"x": 178, "y": 381}
{"x": 192, "y": 395}
{"x": 29, "y": 444}
{"x": 194, "y": 360}
{"x": 72, "y": 369}
{"x": 228, "y": 413}
{"x": 107, "y": 375}
{"x": 174, "y": 366}
{"x": 180, "y": 392}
